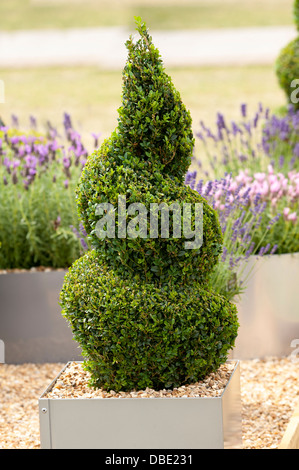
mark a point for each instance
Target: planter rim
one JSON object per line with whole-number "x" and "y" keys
{"x": 4, "y": 272}
{"x": 295, "y": 253}
{"x": 42, "y": 397}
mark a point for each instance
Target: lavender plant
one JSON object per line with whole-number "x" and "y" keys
{"x": 258, "y": 216}
{"x": 280, "y": 140}
{"x": 38, "y": 176}
{"x": 253, "y": 143}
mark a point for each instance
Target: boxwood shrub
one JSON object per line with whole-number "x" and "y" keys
{"x": 140, "y": 307}
{"x": 287, "y": 69}
{"x": 137, "y": 334}
{"x": 287, "y": 65}
{"x": 104, "y": 178}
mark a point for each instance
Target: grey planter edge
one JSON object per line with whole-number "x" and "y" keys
{"x": 143, "y": 423}
{"x": 268, "y": 310}
{"x": 32, "y": 328}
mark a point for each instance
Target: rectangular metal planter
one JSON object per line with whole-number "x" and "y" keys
{"x": 268, "y": 310}
{"x": 32, "y": 328}
{"x": 143, "y": 423}
{"x": 290, "y": 439}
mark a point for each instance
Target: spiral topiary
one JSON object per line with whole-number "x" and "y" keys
{"x": 139, "y": 306}
{"x": 287, "y": 66}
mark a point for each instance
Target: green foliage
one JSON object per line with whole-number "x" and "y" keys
{"x": 107, "y": 175}
{"x": 154, "y": 125}
{"x": 37, "y": 204}
{"x": 287, "y": 64}
{"x": 145, "y": 160}
{"x": 287, "y": 69}
{"x": 138, "y": 335}
{"x": 35, "y": 223}
{"x": 137, "y": 305}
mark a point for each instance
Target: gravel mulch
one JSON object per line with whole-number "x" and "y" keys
{"x": 73, "y": 383}
{"x": 269, "y": 391}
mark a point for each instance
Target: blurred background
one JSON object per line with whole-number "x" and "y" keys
{"x": 61, "y": 56}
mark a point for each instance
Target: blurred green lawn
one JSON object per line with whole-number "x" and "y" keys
{"x": 164, "y": 14}
{"x": 92, "y": 95}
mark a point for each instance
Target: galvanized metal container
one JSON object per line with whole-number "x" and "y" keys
{"x": 269, "y": 309}
{"x": 32, "y": 328}
{"x": 143, "y": 423}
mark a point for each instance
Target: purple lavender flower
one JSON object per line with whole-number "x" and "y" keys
{"x": 31, "y": 161}
{"x": 66, "y": 162}
{"x": 7, "y": 163}
{"x": 273, "y": 221}
{"x": 14, "y": 139}
{"x": 220, "y": 121}
{"x": 296, "y": 150}
{"x": 292, "y": 163}
{"x": 82, "y": 229}
{"x": 53, "y": 133}
{"x": 243, "y": 158}
{"x": 262, "y": 251}
{"x": 54, "y": 145}
{"x": 274, "y": 249}
{"x": 235, "y": 128}
{"x": 14, "y": 120}
{"x": 224, "y": 254}
{"x": 250, "y": 250}
{"x": 33, "y": 122}
{"x": 57, "y": 222}
{"x": 247, "y": 126}
{"x": 75, "y": 231}
{"x": 83, "y": 244}
{"x": 200, "y": 136}
{"x": 190, "y": 179}
{"x": 26, "y": 183}
{"x": 96, "y": 139}
{"x": 244, "y": 110}
{"x": 67, "y": 122}
{"x": 14, "y": 177}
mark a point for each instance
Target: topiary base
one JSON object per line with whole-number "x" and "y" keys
{"x": 172, "y": 421}
{"x": 136, "y": 334}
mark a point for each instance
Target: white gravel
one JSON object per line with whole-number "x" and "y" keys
{"x": 269, "y": 393}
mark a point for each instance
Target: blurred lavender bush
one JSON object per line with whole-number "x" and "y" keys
{"x": 252, "y": 144}
{"x": 258, "y": 216}
{"x": 38, "y": 215}
{"x": 249, "y": 171}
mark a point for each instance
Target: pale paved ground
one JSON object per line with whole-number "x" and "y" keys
{"x": 106, "y": 46}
